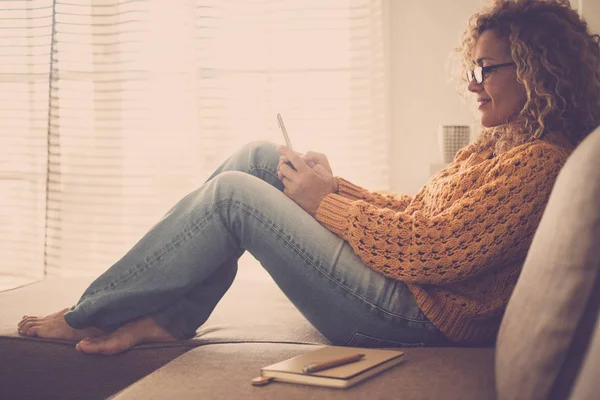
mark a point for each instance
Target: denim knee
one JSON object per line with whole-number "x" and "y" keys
{"x": 233, "y": 186}
{"x": 261, "y": 154}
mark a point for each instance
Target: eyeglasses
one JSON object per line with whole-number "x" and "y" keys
{"x": 477, "y": 74}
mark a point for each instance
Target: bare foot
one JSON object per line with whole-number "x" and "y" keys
{"x": 54, "y": 326}
{"x": 142, "y": 330}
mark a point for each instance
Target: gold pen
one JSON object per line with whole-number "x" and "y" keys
{"x": 319, "y": 366}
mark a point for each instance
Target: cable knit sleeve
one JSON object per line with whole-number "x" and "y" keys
{"x": 473, "y": 234}
{"x": 397, "y": 202}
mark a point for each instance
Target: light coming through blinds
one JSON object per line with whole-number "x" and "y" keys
{"x": 114, "y": 109}
{"x": 25, "y": 43}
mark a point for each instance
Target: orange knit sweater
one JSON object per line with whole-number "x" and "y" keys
{"x": 460, "y": 243}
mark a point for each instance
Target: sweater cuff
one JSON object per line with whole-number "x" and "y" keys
{"x": 350, "y": 190}
{"x": 333, "y": 213}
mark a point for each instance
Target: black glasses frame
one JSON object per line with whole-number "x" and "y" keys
{"x": 478, "y": 73}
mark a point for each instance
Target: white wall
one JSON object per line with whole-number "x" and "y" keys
{"x": 591, "y": 12}
{"x": 422, "y": 36}
{"x": 590, "y": 9}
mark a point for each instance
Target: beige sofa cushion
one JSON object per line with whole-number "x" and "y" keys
{"x": 546, "y": 328}
{"x": 224, "y": 371}
{"x": 588, "y": 384}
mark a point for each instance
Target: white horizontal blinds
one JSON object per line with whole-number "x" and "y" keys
{"x": 150, "y": 96}
{"x": 125, "y": 143}
{"x": 319, "y": 63}
{"x": 25, "y": 36}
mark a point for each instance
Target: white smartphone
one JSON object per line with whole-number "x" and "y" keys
{"x": 284, "y": 131}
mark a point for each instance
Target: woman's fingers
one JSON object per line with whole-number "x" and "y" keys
{"x": 285, "y": 171}
{"x": 310, "y": 162}
{"x": 294, "y": 158}
{"x": 286, "y": 174}
{"x": 312, "y": 158}
{"x": 312, "y": 155}
{"x": 286, "y": 182}
{"x": 282, "y": 160}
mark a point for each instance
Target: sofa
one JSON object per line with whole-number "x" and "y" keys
{"x": 548, "y": 346}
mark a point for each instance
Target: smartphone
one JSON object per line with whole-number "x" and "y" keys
{"x": 284, "y": 131}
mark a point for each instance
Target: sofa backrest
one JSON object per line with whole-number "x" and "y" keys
{"x": 587, "y": 386}
{"x": 548, "y": 322}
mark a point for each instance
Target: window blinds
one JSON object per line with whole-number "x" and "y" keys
{"x": 114, "y": 109}
{"x": 25, "y": 42}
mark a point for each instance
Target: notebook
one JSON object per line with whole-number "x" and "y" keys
{"x": 343, "y": 376}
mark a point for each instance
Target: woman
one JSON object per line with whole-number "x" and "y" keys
{"x": 367, "y": 269}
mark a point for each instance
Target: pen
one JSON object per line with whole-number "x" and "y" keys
{"x": 319, "y": 366}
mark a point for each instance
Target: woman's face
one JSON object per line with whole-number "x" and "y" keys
{"x": 500, "y": 96}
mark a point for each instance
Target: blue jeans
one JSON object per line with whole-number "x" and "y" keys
{"x": 182, "y": 267}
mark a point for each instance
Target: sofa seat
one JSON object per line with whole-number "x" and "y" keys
{"x": 254, "y": 325}
{"x": 224, "y": 371}
{"x": 35, "y": 368}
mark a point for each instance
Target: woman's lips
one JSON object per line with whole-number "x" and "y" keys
{"x": 482, "y": 103}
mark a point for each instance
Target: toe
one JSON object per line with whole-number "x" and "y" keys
{"x": 90, "y": 345}
{"x": 88, "y": 341}
{"x": 33, "y": 331}
{"x": 25, "y": 326}
{"x": 84, "y": 344}
{"x": 107, "y": 345}
{"x": 29, "y": 320}
{"x": 22, "y": 329}
{"x": 23, "y": 322}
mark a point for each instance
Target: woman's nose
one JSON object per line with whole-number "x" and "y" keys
{"x": 474, "y": 86}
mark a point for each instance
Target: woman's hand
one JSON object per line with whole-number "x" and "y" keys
{"x": 311, "y": 158}
{"x": 305, "y": 185}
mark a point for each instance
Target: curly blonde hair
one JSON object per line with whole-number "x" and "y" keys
{"x": 558, "y": 62}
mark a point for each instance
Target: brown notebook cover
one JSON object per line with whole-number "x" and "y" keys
{"x": 344, "y": 376}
